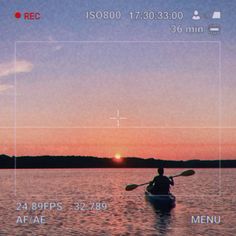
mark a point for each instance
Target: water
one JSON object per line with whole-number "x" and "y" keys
{"x": 122, "y": 213}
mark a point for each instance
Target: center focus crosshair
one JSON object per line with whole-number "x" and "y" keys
{"x": 118, "y": 118}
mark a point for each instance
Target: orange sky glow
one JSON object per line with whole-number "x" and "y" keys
{"x": 166, "y": 99}
{"x": 158, "y": 143}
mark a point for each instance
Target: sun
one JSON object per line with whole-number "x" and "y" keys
{"x": 118, "y": 156}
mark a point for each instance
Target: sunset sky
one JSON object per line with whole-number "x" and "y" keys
{"x": 173, "y": 96}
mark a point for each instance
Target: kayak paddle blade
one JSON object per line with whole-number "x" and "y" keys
{"x": 131, "y": 187}
{"x": 187, "y": 173}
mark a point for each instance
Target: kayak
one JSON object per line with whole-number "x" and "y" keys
{"x": 161, "y": 201}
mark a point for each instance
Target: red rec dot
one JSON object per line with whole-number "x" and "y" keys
{"x": 18, "y": 15}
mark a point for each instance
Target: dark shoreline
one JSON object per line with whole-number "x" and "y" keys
{"x": 38, "y": 162}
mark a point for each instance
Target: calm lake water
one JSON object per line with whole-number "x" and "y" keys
{"x": 106, "y": 209}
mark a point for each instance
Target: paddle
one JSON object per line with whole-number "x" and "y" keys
{"x": 131, "y": 187}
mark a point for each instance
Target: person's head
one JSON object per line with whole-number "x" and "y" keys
{"x": 160, "y": 171}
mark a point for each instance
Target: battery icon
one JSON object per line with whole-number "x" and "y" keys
{"x": 214, "y": 29}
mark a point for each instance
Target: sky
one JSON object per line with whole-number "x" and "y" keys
{"x": 65, "y": 79}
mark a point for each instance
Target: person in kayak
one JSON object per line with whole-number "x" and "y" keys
{"x": 160, "y": 185}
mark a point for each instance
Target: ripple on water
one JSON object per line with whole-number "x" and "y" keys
{"x": 128, "y": 213}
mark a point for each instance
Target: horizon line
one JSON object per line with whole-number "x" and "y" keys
{"x": 154, "y": 158}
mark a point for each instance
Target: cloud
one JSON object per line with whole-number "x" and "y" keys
{"x": 10, "y": 68}
{"x": 4, "y": 87}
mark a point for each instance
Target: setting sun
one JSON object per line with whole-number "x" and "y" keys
{"x": 118, "y": 156}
